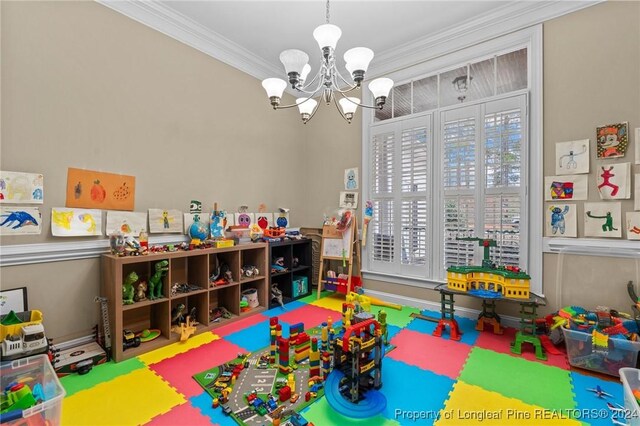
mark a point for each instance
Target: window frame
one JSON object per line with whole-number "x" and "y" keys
{"x": 531, "y": 38}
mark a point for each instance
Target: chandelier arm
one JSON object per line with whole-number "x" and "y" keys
{"x": 296, "y": 104}
{"x": 339, "y": 110}
{"x": 317, "y": 88}
{"x": 344, "y": 79}
{"x": 362, "y": 105}
{"x": 313, "y": 113}
{"x": 306, "y": 86}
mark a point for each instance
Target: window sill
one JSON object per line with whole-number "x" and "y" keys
{"x": 404, "y": 280}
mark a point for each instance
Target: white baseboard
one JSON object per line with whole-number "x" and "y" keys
{"x": 506, "y": 320}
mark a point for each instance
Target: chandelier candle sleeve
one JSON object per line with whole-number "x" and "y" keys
{"x": 327, "y": 83}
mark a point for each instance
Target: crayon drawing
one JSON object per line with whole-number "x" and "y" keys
{"x": 572, "y": 158}
{"x": 264, "y": 220}
{"x": 614, "y": 181}
{"x": 602, "y": 220}
{"x": 568, "y": 187}
{"x": 20, "y": 221}
{"x": 561, "y": 220}
{"x": 281, "y": 219}
{"x": 23, "y": 188}
{"x": 100, "y": 190}
{"x": 129, "y": 223}
{"x": 633, "y": 225}
{"x": 163, "y": 221}
{"x": 612, "y": 140}
{"x": 243, "y": 219}
{"x": 71, "y": 222}
{"x": 351, "y": 179}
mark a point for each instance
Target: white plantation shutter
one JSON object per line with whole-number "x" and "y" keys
{"x": 414, "y": 220}
{"x": 459, "y": 222}
{"x": 482, "y": 170}
{"x": 382, "y": 167}
{"x": 382, "y": 230}
{"x": 414, "y": 166}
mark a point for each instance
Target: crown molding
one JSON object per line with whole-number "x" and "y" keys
{"x": 509, "y": 18}
{"x": 164, "y": 19}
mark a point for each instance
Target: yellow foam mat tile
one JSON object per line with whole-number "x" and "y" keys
{"x": 333, "y": 302}
{"x": 174, "y": 349}
{"x": 470, "y": 404}
{"x": 133, "y": 398}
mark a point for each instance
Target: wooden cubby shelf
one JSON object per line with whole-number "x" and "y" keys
{"x": 185, "y": 267}
{"x": 300, "y": 250}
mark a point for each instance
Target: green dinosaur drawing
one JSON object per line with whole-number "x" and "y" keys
{"x": 127, "y": 288}
{"x": 155, "y": 282}
{"x": 608, "y": 223}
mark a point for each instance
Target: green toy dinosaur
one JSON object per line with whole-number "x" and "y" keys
{"x": 127, "y": 288}
{"x": 155, "y": 282}
{"x": 384, "y": 332}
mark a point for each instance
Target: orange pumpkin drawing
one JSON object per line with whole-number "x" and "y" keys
{"x": 98, "y": 193}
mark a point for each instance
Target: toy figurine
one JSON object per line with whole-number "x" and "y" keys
{"x": 116, "y": 243}
{"x": 141, "y": 292}
{"x": 177, "y": 314}
{"x": 127, "y": 288}
{"x": 276, "y": 295}
{"x": 155, "y": 282}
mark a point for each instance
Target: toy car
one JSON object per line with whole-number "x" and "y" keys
{"x": 129, "y": 340}
{"x": 226, "y": 410}
{"x": 294, "y": 398}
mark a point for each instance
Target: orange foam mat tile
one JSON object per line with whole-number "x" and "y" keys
{"x": 133, "y": 398}
{"x": 174, "y": 349}
{"x": 469, "y": 404}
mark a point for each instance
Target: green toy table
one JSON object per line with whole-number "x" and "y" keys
{"x": 527, "y": 328}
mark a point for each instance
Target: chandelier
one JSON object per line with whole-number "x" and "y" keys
{"x": 328, "y": 82}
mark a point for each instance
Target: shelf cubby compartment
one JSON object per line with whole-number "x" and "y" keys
{"x": 154, "y": 316}
{"x": 303, "y": 253}
{"x": 190, "y": 270}
{"x": 260, "y": 288}
{"x": 254, "y": 257}
{"x": 225, "y": 297}
{"x": 281, "y": 251}
{"x": 166, "y": 286}
{"x": 230, "y": 258}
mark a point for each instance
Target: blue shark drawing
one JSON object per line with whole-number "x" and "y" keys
{"x": 21, "y": 217}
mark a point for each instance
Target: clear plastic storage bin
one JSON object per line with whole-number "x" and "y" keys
{"x": 630, "y": 380}
{"x": 36, "y": 380}
{"x": 620, "y": 353}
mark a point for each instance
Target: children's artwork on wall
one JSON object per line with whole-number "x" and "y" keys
{"x": 636, "y": 192}
{"x": 264, "y": 220}
{"x": 602, "y": 220}
{"x": 99, "y": 190}
{"x": 561, "y": 220}
{"x": 189, "y": 219}
{"x": 572, "y": 158}
{"x": 72, "y": 222}
{"x": 243, "y": 219}
{"x": 614, "y": 181}
{"x": 633, "y": 225}
{"x": 637, "y": 145}
{"x": 282, "y": 218}
{"x": 351, "y": 181}
{"x": 218, "y": 223}
{"x": 348, "y": 200}
{"x": 569, "y": 187}
{"x": 23, "y": 188}
{"x": 163, "y": 221}
{"x": 612, "y": 140}
{"x": 20, "y": 220}
{"x": 128, "y": 223}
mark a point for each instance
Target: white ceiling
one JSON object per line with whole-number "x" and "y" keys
{"x": 265, "y": 28}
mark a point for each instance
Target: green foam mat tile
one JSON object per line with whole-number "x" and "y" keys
{"x": 314, "y": 296}
{"x": 320, "y": 413}
{"x": 531, "y": 382}
{"x": 74, "y": 383}
{"x": 395, "y": 317}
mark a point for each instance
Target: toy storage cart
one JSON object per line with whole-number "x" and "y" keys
{"x": 631, "y": 380}
{"x": 37, "y": 373}
{"x": 581, "y": 353}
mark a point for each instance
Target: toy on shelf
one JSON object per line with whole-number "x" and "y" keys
{"x": 277, "y": 265}
{"x": 155, "y": 282}
{"x": 218, "y": 314}
{"x": 186, "y": 328}
{"x": 274, "y": 232}
{"x": 276, "y": 295}
{"x": 141, "y": 292}
{"x": 488, "y": 280}
{"x": 129, "y": 339}
{"x": 128, "y": 289}
{"x": 250, "y": 271}
{"x": 22, "y": 335}
{"x": 218, "y": 222}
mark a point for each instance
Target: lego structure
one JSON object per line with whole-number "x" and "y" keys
{"x": 489, "y": 280}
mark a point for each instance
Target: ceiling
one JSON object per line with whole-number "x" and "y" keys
{"x": 265, "y": 28}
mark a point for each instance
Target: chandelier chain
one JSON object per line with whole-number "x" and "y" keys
{"x": 328, "y": 16}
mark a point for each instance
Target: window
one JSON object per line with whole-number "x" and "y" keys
{"x": 447, "y": 165}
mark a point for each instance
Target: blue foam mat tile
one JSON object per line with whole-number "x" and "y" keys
{"x": 255, "y": 337}
{"x": 278, "y": 310}
{"x": 586, "y": 401}
{"x": 429, "y": 392}
{"x": 392, "y": 330}
{"x": 203, "y": 403}
{"x": 467, "y": 326}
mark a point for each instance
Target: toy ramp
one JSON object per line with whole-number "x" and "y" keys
{"x": 374, "y": 402}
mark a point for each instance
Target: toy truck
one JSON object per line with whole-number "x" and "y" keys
{"x": 22, "y": 334}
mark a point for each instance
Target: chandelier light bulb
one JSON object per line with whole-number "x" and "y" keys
{"x": 306, "y": 107}
{"x": 274, "y": 88}
{"x": 349, "y": 105}
{"x": 294, "y": 61}
{"x": 327, "y": 35}
{"x": 305, "y": 72}
{"x": 380, "y": 88}
{"x": 357, "y": 61}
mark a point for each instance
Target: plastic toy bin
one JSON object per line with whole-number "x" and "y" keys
{"x": 37, "y": 373}
{"x": 631, "y": 380}
{"x": 619, "y": 353}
